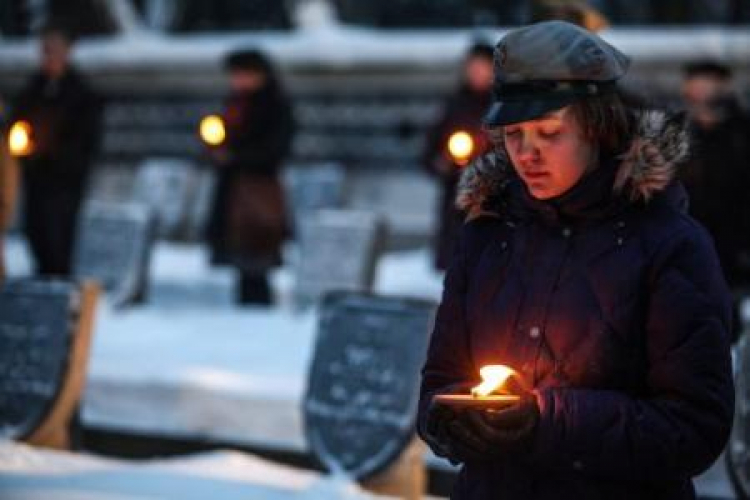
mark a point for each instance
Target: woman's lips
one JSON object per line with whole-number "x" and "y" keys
{"x": 535, "y": 175}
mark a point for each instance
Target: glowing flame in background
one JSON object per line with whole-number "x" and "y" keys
{"x": 493, "y": 378}
{"x": 461, "y": 146}
{"x": 19, "y": 139}
{"x": 212, "y": 130}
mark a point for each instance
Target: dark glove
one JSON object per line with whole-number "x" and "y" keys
{"x": 492, "y": 433}
{"x": 439, "y": 418}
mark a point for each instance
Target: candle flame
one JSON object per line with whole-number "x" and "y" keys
{"x": 493, "y": 377}
{"x": 461, "y": 146}
{"x": 212, "y": 130}
{"x": 19, "y": 139}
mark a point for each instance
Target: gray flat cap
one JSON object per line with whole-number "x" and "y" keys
{"x": 546, "y": 66}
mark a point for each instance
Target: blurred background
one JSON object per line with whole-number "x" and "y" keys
{"x": 176, "y": 364}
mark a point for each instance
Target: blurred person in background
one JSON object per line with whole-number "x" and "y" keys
{"x": 8, "y": 191}
{"x": 719, "y": 169}
{"x": 248, "y": 221}
{"x": 64, "y": 115}
{"x": 462, "y": 113}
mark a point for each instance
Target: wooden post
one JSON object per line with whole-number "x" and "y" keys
{"x": 406, "y": 478}
{"x": 53, "y": 431}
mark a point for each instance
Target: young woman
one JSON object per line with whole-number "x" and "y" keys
{"x": 580, "y": 269}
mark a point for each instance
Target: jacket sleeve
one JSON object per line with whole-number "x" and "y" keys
{"x": 682, "y": 423}
{"x": 448, "y": 361}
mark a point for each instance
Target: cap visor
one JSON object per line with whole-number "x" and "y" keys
{"x": 515, "y": 111}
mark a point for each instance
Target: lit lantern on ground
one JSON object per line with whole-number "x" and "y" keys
{"x": 212, "y": 130}
{"x": 487, "y": 394}
{"x": 461, "y": 147}
{"x": 19, "y": 139}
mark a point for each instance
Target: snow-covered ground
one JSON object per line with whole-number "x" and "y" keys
{"x": 189, "y": 363}
{"x": 35, "y": 474}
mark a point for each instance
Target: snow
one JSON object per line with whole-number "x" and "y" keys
{"x": 28, "y": 473}
{"x": 320, "y": 43}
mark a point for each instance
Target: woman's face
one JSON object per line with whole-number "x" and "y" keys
{"x": 246, "y": 80}
{"x": 550, "y": 153}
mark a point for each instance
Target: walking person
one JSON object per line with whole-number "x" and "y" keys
{"x": 580, "y": 269}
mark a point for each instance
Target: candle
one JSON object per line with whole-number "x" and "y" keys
{"x": 484, "y": 395}
{"x": 19, "y": 139}
{"x": 212, "y": 130}
{"x": 461, "y": 146}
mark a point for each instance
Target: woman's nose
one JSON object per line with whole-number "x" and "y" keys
{"x": 527, "y": 148}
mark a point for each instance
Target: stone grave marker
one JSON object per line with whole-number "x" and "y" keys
{"x": 45, "y": 332}
{"x": 113, "y": 246}
{"x": 313, "y": 187}
{"x": 168, "y": 187}
{"x": 337, "y": 250}
{"x": 361, "y": 400}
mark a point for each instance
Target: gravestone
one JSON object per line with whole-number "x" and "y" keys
{"x": 361, "y": 401}
{"x": 168, "y": 187}
{"x": 201, "y": 204}
{"x": 313, "y": 187}
{"x": 112, "y": 183}
{"x": 338, "y": 250}
{"x": 35, "y": 338}
{"x": 45, "y": 335}
{"x": 113, "y": 247}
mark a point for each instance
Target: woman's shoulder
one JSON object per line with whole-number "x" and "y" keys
{"x": 664, "y": 223}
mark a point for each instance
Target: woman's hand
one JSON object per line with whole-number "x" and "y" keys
{"x": 481, "y": 434}
{"x": 439, "y": 419}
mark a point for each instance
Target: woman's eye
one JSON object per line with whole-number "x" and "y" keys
{"x": 549, "y": 133}
{"x": 511, "y": 133}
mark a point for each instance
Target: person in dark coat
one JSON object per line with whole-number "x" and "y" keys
{"x": 64, "y": 114}
{"x": 463, "y": 112}
{"x": 248, "y": 222}
{"x": 579, "y": 268}
{"x": 719, "y": 168}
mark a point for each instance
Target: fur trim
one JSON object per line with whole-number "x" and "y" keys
{"x": 660, "y": 145}
{"x": 484, "y": 178}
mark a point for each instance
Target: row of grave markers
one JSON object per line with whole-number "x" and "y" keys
{"x": 359, "y": 408}
{"x": 336, "y": 249}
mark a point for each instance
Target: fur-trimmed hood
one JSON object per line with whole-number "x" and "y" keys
{"x": 659, "y": 146}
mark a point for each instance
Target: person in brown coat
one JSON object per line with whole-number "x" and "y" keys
{"x": 248, "y": 220}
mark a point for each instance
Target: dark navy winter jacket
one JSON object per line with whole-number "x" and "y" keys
{"x": 612, "y": 302}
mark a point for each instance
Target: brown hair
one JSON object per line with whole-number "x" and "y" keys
{"x": 604, "y": 120}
